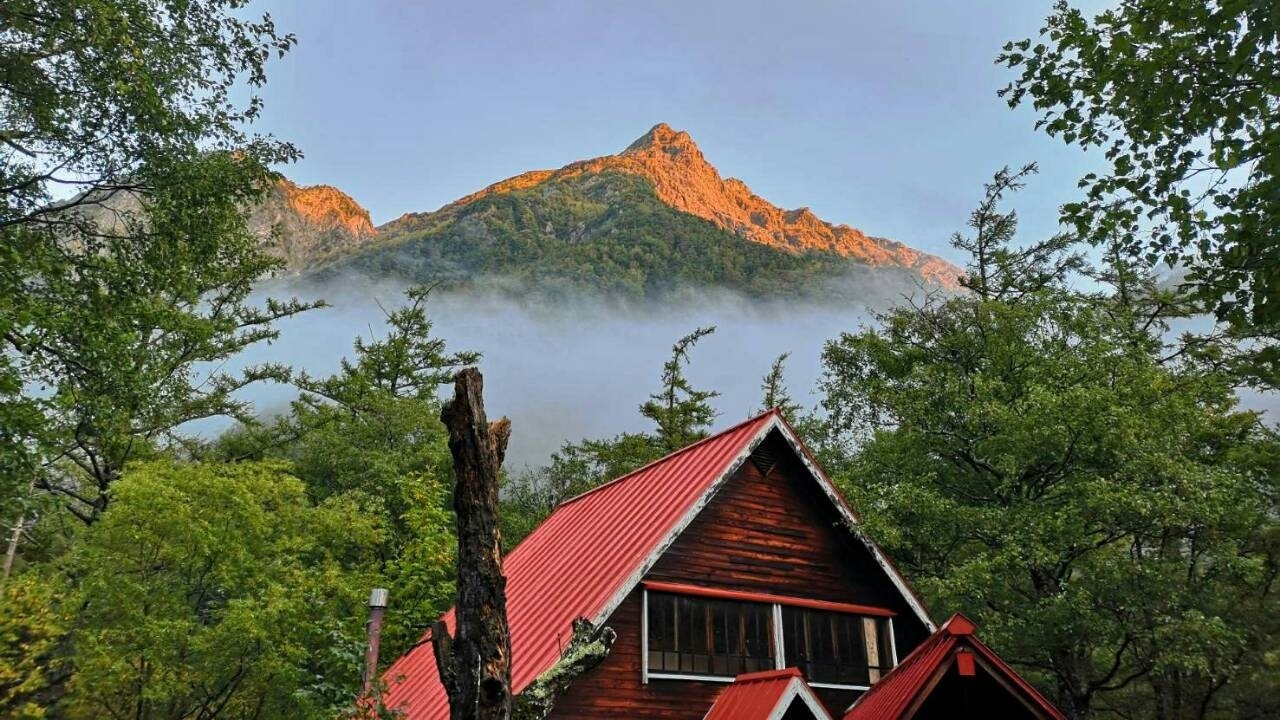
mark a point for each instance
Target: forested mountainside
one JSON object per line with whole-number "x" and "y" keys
{"x": 655, "y": 218}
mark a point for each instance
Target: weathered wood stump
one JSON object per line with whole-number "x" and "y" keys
{"x": 475, "y": 664}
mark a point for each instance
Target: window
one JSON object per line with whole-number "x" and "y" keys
{"x": 708, "y": 636}
{"x": 836, "y": 648}
{"x": 718, "y": 634}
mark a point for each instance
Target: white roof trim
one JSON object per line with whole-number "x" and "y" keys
{"x": 774, "y": 423}
{"x": 798, "y": 688}
{"x": 829, "y": 489}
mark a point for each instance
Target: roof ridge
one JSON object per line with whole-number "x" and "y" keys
{"x": 670, "y": 455}
{"x": 761, "y": 675}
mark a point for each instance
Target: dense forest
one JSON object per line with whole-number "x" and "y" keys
{"x": 1049, "y": 451}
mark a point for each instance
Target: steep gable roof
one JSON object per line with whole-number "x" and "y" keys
{"x": 765, "y": 696}
{"x": 907, "y": 685}
{"x": 594, "y": 549}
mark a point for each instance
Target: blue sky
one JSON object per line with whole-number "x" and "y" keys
{"x": 881, "y": 114}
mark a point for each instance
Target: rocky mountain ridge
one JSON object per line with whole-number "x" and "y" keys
{"x": 683, "y": 179}
{"x": 307, "y": 225}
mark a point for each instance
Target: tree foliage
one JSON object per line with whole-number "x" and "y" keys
{"x": 372, "y": 432}
{"x": 774, "y": 389}
{"x": 1181, "y": 99}
{"x": 125, "y": 174}
{"x": 682, "y": 412}
{"x": 1032, "y": 458}
{"x": 998, "y": 269}
{"x": 232, "y": 586}
{"x": 33, "y": 632}
{"x": 206, "y": 591}
{"x": 114, "y": 329}
{"x": 93, "y": 90}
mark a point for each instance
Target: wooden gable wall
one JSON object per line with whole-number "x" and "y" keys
{"x": 772, "y": 533}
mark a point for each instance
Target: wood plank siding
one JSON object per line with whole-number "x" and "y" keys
{"x": 767, "y": 530}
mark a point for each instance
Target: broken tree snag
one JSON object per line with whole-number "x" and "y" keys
{"x": 587, "y": 648}
{"x": 475, "y": 664}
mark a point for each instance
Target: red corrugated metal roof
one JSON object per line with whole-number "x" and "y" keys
{"x": 898, "y": 691}
{"x": 764, "y": 695}
{"x": 584, "y": 558}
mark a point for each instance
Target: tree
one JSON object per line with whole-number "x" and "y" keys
{"x": 110, "y": 332}
{"x": 125, "y": 173}
{"x": 92, "y": 91}
{"x": 998, "y": 270}
{"x": 1180, "y": 97}
{"x": 681, "y": 412}
{"x": 372, "y": 433}
{"x": 407, "y": 363}
{"x": 1035, "y": 460}
{"x": 218, "y": 590}
{"x": 376, "y": 420}
{"x": 774, "y": 386}
{"x": 33, "y": 632}
{"x": 1028, "y": 467}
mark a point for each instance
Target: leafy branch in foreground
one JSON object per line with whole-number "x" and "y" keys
{"x": 1181, "y": 100}
{"x": 128, "y": 334}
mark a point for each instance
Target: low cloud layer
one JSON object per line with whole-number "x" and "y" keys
{"x": 570, "y": 371}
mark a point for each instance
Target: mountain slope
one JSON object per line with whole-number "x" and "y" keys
{"x": 315, "y": 223}
{"x": 302, "y": 225}
{"x": 655, "y": 218}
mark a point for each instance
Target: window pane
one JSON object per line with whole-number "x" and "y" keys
{"x": 704, "y": 636}
{"x": 836, "y": 648}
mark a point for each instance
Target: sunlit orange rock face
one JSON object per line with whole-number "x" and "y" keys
{"x": 313, "y": 222}
{"x": 684, "y": 179}
{"x": 326, "y": 207}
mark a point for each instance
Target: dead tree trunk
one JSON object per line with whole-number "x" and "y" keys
{"x": 475, "y": 666}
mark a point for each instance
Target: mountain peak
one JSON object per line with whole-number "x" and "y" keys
{"x": 684, "y": 180}
{"x": 663, "y": 137}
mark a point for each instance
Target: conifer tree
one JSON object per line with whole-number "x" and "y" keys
{"x": 681, "y": 411}
{"x": 775, "y": 390}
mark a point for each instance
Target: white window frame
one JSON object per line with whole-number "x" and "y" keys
{"x": 779, "y": 656}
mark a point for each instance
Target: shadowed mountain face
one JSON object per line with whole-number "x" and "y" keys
{"x": 653, "y": 217}
{"x": 302, "y": 225}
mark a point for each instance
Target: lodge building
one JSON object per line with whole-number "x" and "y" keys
{"x": 739, "y": 588}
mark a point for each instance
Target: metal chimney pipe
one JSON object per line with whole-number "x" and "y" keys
{"x": 377, "y": 608}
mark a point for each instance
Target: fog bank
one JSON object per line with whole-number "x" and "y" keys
{"x": 568, "y": 370}
{"x": 575, "y": 370}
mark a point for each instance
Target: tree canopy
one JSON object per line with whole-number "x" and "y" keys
{"x": 1031, "y": 457}
{"x": 126, "y": 168}
{"x": 208, "y": 588}
{"x": 1180, "y": 98}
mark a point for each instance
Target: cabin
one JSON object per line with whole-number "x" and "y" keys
{"x": 738, "y": 586}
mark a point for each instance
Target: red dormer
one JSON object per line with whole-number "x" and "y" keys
{"x": 717, "y": 566}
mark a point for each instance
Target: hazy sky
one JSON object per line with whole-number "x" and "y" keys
{"x": 882, "y": 114}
